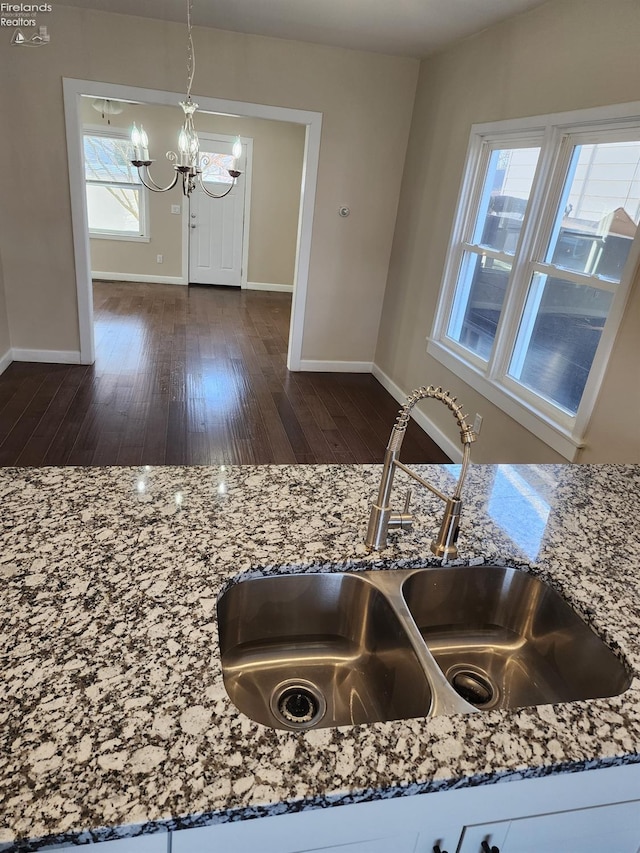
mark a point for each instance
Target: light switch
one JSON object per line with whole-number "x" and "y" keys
{"x": 175, "y": 208}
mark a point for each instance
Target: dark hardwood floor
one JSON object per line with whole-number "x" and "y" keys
{"x": 194, "y": 376}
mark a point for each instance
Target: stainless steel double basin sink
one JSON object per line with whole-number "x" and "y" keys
{"x": 315, "y": 650}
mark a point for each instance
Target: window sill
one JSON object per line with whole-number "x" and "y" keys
{"x": 536, "y": 422}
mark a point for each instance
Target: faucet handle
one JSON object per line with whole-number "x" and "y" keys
{"x": 402, "y": 520}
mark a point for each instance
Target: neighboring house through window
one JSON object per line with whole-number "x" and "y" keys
{"x": 116, "y": 199}
{"x": 540, "y": 263}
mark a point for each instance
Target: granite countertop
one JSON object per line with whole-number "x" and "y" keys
{"x": 115, "y": 720}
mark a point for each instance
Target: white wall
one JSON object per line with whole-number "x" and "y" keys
{"x": 564, "y": 55}
{"x": 366, "y": 100}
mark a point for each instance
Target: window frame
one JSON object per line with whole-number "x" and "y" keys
{"x": 144, "y": 235}
{"x": 557, "y": 135}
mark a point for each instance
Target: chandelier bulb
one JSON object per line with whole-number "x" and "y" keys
{"x": 136, "y": 142}
{"x": 144, "y": 142}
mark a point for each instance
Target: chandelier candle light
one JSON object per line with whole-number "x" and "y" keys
{"x": 189, "y": 163}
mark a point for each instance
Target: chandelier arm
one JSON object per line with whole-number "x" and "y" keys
{"x": 155, "y": 188}
{"x": 212, "y": 195}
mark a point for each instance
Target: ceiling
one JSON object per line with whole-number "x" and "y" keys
{"x": 402, "y": 27}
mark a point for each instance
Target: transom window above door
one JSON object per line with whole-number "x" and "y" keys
{"x": 542, "y": 254}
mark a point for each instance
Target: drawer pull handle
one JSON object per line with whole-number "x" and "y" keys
{"x": 487, "y": 849}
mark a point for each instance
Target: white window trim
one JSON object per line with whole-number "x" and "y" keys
{"x": 556, "y": 428}
{"x": 125, "y": 236}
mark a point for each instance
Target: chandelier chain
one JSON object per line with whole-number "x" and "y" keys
{"x": 191, "y": 56}
{"x": 187, "y": 164}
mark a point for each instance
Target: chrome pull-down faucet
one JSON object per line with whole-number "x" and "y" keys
{"x": 382, "y": 518}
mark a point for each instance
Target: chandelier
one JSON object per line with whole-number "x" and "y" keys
{"x": 189, "y": 163}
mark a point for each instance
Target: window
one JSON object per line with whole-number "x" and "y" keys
{"x": 116, "y": 199}
{"x": 215, "y": 167}
{"x": 540, "y": 263}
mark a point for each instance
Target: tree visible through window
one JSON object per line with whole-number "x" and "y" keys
{"x": 115, "y": 202}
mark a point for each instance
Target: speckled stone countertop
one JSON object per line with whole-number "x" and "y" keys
{"x": 115, "y": 720}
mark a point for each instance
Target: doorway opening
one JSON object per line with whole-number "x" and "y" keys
{"x": 77, "y": 90}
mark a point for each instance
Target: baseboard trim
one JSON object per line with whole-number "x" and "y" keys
{"x": 446, "y": 444}
{"x": 264, "y": 285}
{"x": 316, "y": 366}
{"x": 5, "y": 360}
{"x": 99, "y": 275}
{"x": 47, "y": 356}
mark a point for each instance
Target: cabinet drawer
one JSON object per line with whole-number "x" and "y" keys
{"x": 156, "y": 843}
{"x": 307, "y": 832}
{"x": 613, "y": 828}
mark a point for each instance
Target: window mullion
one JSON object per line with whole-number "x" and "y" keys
{"x": 558, "y": 167}
{"x": 508, "y": 324}
{"x": 520, "y": 275}
{"x": 555, "y": 158}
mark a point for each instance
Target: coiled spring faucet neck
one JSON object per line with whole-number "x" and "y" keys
{"x": 467, "y": 435}
{"x": 382, "y": 518}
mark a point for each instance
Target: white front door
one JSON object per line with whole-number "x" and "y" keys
{"x": 216, "y": 226}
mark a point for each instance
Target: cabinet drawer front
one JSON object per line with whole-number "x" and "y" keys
{"x": 613, "y": 828}
{"x": 155, "y": 843}
{"x": 299, "y": 833}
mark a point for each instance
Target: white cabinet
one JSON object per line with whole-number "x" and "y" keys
{"x": 591, "y": 812}
{"x": 346, "y": 829}
{"x": 601, "y": 829}
{"x": 594, "y": 812}
{"x": 158, "y": 842}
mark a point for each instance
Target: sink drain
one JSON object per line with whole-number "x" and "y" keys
{"x": 298, "y": 704}
{"x": 474, "y": 686}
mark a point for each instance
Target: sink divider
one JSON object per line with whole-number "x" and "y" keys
{"x": 444, "y": 699}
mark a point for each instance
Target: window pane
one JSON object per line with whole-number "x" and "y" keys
{"x": 504, "y": 198}
{"x": 107, "y": 159}
{"x": 215, "y": 167}
{"x": 599, "y": 210}
{"x": 558, "y": 337}
{"x": 113, "y": 209}
{"x": 479, "y": 296}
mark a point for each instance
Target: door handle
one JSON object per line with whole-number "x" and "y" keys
{"x": 487, "y": 849}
